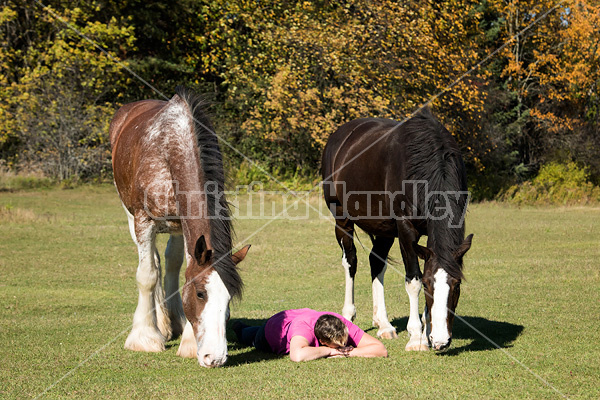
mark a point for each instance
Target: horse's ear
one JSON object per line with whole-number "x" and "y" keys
{"x": 422, "y": 252}
{"x": 239, "y": 256}
{"x": 464, "y": 247}
{"x": 201, "y": 252}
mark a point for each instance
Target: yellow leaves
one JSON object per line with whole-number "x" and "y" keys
{"x": 7, "y": 15}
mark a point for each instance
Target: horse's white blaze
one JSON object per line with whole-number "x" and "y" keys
{"x": 349, "y": 310}
{"x": 212, "y": 343}
{"x": 413, "y": 288}
{"x": 439, "y": 312}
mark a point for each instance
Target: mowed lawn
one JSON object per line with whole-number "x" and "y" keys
{"x": 528, "y": 328}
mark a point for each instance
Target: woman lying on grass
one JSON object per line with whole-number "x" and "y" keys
{"x": 308, "y": 334}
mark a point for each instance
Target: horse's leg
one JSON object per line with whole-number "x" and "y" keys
{"x": 145, "y": 335}
{"x": 173, "y": 260}
{"x": 344, "y": 233}
{"x": 188, "y": 347}
{"x": 378, "y": 261}
{"x": 162, "y": 316}
{"x": 407, "y": 235}
{"x": 426, "y": 320}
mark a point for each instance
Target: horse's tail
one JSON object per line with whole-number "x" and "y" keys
{"x": 219, "y": 214}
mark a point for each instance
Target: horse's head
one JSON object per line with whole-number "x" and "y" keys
{"x": 441, "y": 281}
{"x": 206, "y": 304}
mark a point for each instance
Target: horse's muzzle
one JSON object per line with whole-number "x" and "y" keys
{"x": 210, "y": 361}
{"x": 441, "y": 347}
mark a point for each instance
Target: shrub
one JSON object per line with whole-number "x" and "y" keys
{"x": 555, "y": 184}
{"x": 269, "y": 178}
{"x": 10, "y": 181}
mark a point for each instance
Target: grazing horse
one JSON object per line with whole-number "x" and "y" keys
{"x": 168, "y": 171}
{"x": 401, "y": 181}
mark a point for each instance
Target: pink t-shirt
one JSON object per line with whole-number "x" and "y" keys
{"x": 283, "y": 326}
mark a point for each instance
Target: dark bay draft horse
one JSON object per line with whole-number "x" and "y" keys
{"x": 401, "y": 181}
{"x": 168, "y": 171}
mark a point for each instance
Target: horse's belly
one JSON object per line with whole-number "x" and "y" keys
{"x": 378, "y": 227}
{"x": 172, "y": 226}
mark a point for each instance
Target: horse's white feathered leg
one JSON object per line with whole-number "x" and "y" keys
{"x": 145, "y": 335}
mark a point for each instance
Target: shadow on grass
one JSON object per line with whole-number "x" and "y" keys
{"x": 249, "y": 356}
{"x": 493, "y": 334}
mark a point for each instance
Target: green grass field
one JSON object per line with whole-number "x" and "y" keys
{"x": 68, "y": 293}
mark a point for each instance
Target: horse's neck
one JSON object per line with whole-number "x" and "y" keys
{"x": 194, "y": 222}
{"x": 192, "y": 206}
{"x": 442, "y": 238}
{"x": 188, "y": 183}
{"x": 179, "y": 143}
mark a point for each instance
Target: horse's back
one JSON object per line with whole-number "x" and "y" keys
{"x": 377, "y": 148}
{"x": 354, "y": 146}
{"x": 370, "y": 162}
{"x": 132, "y": 160}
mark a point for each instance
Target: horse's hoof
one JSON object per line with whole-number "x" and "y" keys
{"x": 187, "y": 350}
{"x": 145, "y": 340}
{"x": 389, "y": 334}
{"x": 349, "y": 314}
{"x": 416, "y": 347}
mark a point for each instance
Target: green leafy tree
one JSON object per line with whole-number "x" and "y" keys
{"x": 58, "y": 89}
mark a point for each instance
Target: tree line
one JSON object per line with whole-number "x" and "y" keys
{"x": 516, "y": 82}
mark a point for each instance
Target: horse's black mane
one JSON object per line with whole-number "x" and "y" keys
{"x": 436, "y": 158}
{"x": 218, "y": 208}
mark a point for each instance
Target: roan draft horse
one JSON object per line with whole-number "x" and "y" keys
{"x": 401, "y": 181}
{"x": 168, "y": 171}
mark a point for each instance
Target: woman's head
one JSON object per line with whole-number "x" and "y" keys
{"x": 331, "y": 331}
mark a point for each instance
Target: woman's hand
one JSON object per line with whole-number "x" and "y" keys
{"x": 300, "y": 350}
{"x": 338, "y": 352}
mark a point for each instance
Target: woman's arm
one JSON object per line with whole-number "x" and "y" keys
{"x": 369, "y": 347}
{"x": 300, "y": 350}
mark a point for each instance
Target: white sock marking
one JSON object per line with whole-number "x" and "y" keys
{"x": 413, "y": 288}
{"x": 439, "y": 311}
{"x": 349, "y": 310}
{"x": 379, "y": 311}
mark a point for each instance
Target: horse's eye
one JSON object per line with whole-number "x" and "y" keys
{"x": 200, "y": 295}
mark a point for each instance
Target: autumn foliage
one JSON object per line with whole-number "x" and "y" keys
{"x": 516, "y": 82}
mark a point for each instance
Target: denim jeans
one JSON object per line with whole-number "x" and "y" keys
{"x": 255, "y": 336}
